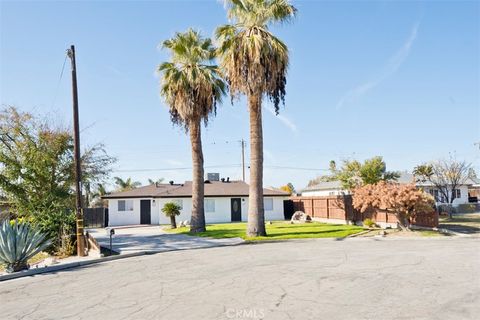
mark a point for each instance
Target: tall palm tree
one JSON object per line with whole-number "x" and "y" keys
{"x": 128, "y": 184}
{"x": 192, "y": 87}
{"x": 255, "y": 64}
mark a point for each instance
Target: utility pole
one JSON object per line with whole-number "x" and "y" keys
{"x": 76, "y": 149}
{"x": 243, "y": 159}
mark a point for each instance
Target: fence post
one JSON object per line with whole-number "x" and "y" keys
{"x": 313, "y": 209}
{"x": 328, "y": 208}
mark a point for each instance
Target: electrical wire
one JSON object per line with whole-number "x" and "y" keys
{"x": 58, "y": 83}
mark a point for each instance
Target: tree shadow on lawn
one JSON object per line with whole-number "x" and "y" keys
{"x": 460, "y": 228}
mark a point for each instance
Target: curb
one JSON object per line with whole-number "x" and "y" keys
{"x": 32, "y": 272}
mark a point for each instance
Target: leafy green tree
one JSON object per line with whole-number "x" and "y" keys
{"x": 37, "y": 170}
{"x": 353, "y": 173}
{"x": 171, "y": 210}
{"x": 288, "y": 188}
{"x": 255, "y": 64}
{"x": 125, "y": 185}
{"x": 192, "y": 86}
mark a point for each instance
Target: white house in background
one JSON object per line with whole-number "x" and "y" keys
{"x": 334, "y": 188}
{"x": 225, "y": 201}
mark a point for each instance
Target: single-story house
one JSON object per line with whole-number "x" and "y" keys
{"x": 334, "y": 188}
{"x": 225, "y": 201}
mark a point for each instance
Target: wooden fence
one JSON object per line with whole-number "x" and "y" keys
{"x": 341, "y": 208}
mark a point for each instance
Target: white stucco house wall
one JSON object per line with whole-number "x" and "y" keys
{"x": 225, "y": 201}
{"x": 334, "y": 188}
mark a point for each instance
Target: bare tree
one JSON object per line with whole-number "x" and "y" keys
{"x": 446, "y": 175}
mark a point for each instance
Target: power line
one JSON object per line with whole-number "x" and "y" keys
{"x": 59, "y": 81}
{"x": 216, "y": 166}
{"x": 172, "y": 169}
{"x": 296, "y": 168}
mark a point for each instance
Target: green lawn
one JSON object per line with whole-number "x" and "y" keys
{"x": 277, "y": 230}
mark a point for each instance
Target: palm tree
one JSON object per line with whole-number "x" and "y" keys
{"x": 98, "y": 194}
{"x": 124, "y": 185}
{"x": 151, "y": 181}
{"x": 192, "y": 87}
{"x": 171, "y": 210}
{"x": 255, "y": 64}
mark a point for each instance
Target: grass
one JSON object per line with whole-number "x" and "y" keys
{"x": 470, "y": 219}
{"x": 431, "y": 233}
{"x": 275, "y": 231}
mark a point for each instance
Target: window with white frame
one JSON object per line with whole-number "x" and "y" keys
{"x": 125, "y": 205}
{"x": 178, "y": 202}
{"x": 209, "y": 205}
{"x": 457, "y": 193}
{"x": 268, "y": 204}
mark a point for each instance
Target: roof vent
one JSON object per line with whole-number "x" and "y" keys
{"x": 171, "y": 182}
{"x": 228, "y": 179}
{"x": 223, "y": 179}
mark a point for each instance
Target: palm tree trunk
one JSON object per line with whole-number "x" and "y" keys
{"x": 256, "y": 218}
{"x": 173, "y": 222}
{"x": 198, "y": 214}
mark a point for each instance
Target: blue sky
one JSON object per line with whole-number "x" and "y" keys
{"x": 396, "y": 79}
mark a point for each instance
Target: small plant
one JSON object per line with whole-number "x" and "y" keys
{"x": 171, "y": 210}
{"x": 369, "y": 223}
{"x": 18, "y": 243}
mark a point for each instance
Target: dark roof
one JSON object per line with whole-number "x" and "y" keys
{"x": 212, "y": 189}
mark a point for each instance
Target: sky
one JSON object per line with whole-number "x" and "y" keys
{"x": 398, "y": 79}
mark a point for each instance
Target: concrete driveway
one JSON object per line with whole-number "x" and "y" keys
{"x": 305, "y": 279}
{"x": 153, "y": 239}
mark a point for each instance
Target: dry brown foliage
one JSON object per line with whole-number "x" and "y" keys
{"x": 404, "y": 200}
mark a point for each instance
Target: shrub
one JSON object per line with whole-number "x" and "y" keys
{"x": 171, "y": 209}
{"x": 467, "y": 208}
{"x": 369, "y": 223}
{"x": 18, "y": 243}
{"x": 59, "y": 226}
{"x": 404, "y": 200}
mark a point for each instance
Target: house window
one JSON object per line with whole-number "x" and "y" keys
{"x": 125, "y": 205}
{"x": 209, "y": 205}
{"x": 268, "y": 204}
{"x": 435, "y": 194}
{"x": 178, "y": 202}
{"x": 457, "y": 193}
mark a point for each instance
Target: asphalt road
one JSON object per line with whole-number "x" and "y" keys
{"x": 304, "y": 279}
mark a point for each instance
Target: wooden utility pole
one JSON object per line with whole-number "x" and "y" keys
{"x": 76, "y": 149}
{"x": 243, "y": 159}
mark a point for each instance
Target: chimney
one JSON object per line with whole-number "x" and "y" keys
{"x": 228, "y": 179}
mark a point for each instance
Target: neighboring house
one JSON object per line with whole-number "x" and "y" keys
{"x": 334, "y": 188}
{"x": 474, "y": 190}
{"x": 325, "y": 188}
{"x": 225, "y": 201}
